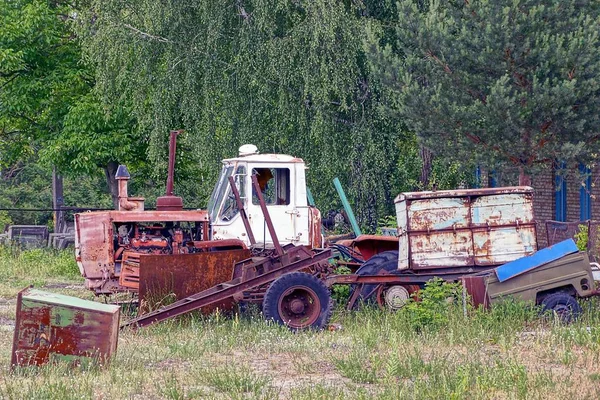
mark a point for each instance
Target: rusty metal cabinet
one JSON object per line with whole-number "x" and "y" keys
{"x": 53, "y": 327}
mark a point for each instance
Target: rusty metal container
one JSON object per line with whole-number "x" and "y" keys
{"x": 465, "y": 228}
{"x": 51, "y": 327}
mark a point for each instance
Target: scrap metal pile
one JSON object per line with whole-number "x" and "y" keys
{"x": 260, "y": 242}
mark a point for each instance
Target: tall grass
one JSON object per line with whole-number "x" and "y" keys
{"x": 506, "y": 352}
{"x": 19, "y": 268}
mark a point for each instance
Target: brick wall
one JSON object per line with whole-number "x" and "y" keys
{"x": 573, "y": 186}
{"x": 544, "y": 198}
{"x": 545, "y": 195}
{"x": 543, "y": 203}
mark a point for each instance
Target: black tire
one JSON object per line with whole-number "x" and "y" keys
{"x": 385, "y": 256}
{"x": 563, "y": 306}
{"x": 386, "y": 261}
{"x": 299, "y": 301}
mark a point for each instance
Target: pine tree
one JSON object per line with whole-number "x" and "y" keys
{"x": 505, "y": 82}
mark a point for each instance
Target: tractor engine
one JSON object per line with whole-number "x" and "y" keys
{"x": 134, "y": 239}
{"x": 152, "y": 239}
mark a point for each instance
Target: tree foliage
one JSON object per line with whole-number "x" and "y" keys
{"x": 47, "y": 104}
{"x": 39, "y": 76}
{"x": 503, "y": 82}
{"x": 287, "y": 76}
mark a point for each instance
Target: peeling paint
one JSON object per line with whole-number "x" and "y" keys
{"x": 465, "y": 228}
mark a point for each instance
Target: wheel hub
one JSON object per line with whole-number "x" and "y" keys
{"x": 396, "y": 297}
{"x": 296, "y": 306}
{"x": 299, "y": 306}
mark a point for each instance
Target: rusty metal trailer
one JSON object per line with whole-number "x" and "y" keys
{"x": 445, "y": 234}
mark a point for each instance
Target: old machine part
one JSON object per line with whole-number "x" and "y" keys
{"x": 254, "y": 272}
{"x": 474, "y": 229}
{"x": 186, "y": 275}
{"x": 289, "y": 303}
{"x": 52, "y": 327}
{"x": 558, "y": 268}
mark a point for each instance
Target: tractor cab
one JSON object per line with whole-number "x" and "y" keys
{"x": 281, "y": 180}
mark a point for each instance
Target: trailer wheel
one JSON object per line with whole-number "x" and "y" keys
{"x": 386, "y": 261}
{"x": 563, "y": 306}
{"x": 299, "y": 301}
{"x": 396, "y": 296}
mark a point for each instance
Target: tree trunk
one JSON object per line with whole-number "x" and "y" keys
{"x": 113, "y": 188}
{"x": 426, "y": 157}
{"x": 58, "y": 202}
{"x": 524, "y": 179}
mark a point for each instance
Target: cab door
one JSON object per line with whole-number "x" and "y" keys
{"x": 276, "y": 184}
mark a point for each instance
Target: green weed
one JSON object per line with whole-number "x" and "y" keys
{"x": 358, "y": 367}
{"x": 235, "y": 380}
{"x": 435, "y": 352}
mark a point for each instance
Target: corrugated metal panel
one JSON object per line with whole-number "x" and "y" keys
{"x": 94, "y": 249}
{"x": 56, "y": 327}
{"x": 440, "y": 213}
{"x": 463, "y": 228}
{"x": 403, "y": 253}
{"x": 463, "y": 193}
{"x": 441, "y": 249}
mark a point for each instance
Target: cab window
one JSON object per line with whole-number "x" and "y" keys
{"x": 274, "y": 185}
{"x": 230, "y": 208}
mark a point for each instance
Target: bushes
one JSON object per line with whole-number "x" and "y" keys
{"x": 436, "y": 302}
{"x": 440, "y": 306}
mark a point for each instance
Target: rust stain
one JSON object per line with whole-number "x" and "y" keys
{"x": 186, "y": 274}
{"x": 476, "y": 288}
{"x": 314, "y": 229}
{"x": 47, "y": 330}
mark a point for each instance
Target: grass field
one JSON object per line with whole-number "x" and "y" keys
{"x": 506, "y": 353}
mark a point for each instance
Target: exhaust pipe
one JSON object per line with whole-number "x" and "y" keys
{"x": 170, "y": 202}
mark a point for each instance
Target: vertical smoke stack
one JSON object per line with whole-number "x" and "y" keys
{"x": 170, "y": 202}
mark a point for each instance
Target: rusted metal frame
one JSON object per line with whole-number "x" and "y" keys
{"x": 470, "y": 217}
{"x": 265, "y": 212}
{"x": 205, "y": 231}
{"x": 352, "y": 300}
{"x": 13, "y": 360}
{"x": 156, "y": 216}
{"x": 219, "y": 243}
{"x": 387, "y": 279}
{"x": 469, "y": 205}
{"x": 265, "y": 265}
{"x": 243, "y": 214}
{"x": 472, "y": 228}
{"x": 595, "y": 292}
{"x": 408, "y": 237}
{"x": 223, "y": 291}
{"x": 468, "y": 192}
{"x": 445, "y": 270}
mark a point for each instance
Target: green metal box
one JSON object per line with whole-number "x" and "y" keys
{"x": 52, "y": 327}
